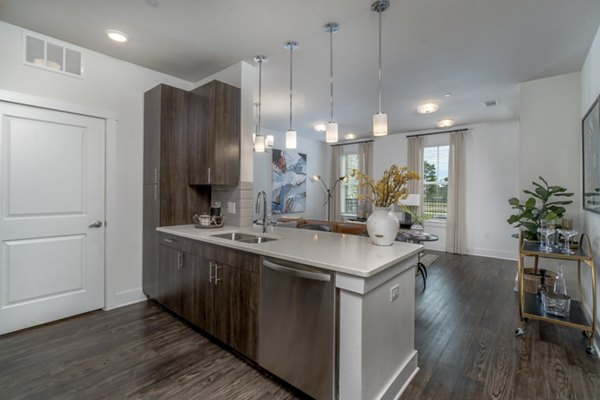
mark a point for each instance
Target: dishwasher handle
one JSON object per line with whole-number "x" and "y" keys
{"x": 297, "y": 272}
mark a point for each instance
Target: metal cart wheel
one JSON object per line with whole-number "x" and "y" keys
{"x": 519, "y": 332}
{"x": 587, "y": 334}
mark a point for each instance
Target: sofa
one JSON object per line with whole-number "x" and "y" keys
{"x": 337, "y": 227}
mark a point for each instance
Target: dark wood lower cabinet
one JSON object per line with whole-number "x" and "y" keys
{"x": 198, "y": 293}
{"x": 170, "y": 286}
{"x": 214, "y": 288}
{"x": 236, "y": 309}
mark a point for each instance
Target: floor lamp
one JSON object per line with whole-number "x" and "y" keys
{"x": 329, "y": 191}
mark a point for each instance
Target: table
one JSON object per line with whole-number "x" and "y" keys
{"x": 418, "y": 238}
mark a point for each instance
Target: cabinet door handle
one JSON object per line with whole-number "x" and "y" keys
{"x": 208, "y": 174}
{"x": 211, "y": 276}
{"x": 156, "y": 191}
{"x": 179, "y": 260}
{"x": 169, "y": 240}
{"x": 155, "y": 175}
{"x": 217, "y": 279}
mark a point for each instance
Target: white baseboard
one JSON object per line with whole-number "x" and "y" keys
{"x": 128, "y": 297}
{"x": 502, "y": 254}
{"x": 434, "y": 246}
{"x": 400, "y": 381}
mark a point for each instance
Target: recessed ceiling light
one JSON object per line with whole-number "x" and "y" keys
{"x": 445, "y": 123}
{"x": 447, "y": 94}
{"x": 427, "y": 108}
{"x": 349, "y": 136}
{"x": 320, "y": 127}
{"x": 117, "y": 36}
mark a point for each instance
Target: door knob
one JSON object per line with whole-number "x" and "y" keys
{"x": 96, "y": 224}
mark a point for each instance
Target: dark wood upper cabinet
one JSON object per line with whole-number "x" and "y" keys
{"x": 214, "y": 135}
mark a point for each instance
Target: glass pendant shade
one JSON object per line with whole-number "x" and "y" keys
{"x": 380, "y": 124}
{"x": 259, "y": 144}
{"x": 331, "y": 134}
{"x": 269, "y": 141}
{"x": 290, "y": 139}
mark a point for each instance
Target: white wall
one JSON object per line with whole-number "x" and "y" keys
{"x": 590, "y": 89}
{"x": 113, "y": 85}
{"x": 388, "y": 150}
{"x": 492, "y": 178}
{"x": 550, "y": 143}
{"x": 318, "y": 160}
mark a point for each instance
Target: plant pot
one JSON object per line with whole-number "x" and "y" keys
{"x": 382, "y": 226}
{"x": 417, "y": 228}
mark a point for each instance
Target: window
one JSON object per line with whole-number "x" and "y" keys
{"x": 349, "y": 190}
{"x": 435, "y": 181}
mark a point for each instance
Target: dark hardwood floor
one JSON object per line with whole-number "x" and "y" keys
{"x": 464, "y": 336}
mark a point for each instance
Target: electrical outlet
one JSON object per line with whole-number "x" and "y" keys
{"x": 394, "y": 292}
{"x": 231, "y": 207}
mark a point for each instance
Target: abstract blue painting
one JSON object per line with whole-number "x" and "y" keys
{"x": 289, "y": 182}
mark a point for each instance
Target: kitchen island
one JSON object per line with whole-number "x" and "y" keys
{"x": 373, "y": 300}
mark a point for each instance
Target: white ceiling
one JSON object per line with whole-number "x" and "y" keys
{"x": 475, "y": 49}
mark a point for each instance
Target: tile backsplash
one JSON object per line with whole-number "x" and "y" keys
{"x": 241, "y": 195}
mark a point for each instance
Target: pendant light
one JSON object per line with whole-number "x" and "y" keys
{"x": 259, "y": 139}
{"x": 331, "y": 133}
{"x": 380, "y": 127}
{"x": 290, "y": 135}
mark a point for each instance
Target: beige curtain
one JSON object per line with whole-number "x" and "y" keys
{"x": 336, "y": 161}
{"x": 415, "y": 163}
{"x": 456, "y": 232}
{"x": 365, "y": 165}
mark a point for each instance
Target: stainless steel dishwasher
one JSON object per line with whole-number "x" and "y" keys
{"x": 297, "y": 326}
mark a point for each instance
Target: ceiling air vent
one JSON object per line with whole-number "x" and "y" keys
{"x": 490, "y": 103}
{"x": 52, "y": 55}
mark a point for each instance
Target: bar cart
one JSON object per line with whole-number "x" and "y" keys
{"x": 530, "y": 307}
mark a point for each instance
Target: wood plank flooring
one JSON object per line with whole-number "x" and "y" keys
{"x": 465, "y": 323}
{"x": 464, "y": 336}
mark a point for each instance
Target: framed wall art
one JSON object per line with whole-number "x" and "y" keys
{"x": 289, "y": 182}
{"x": 590, "y": 128}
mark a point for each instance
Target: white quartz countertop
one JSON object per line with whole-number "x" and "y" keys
{"x": 349, "y": 254}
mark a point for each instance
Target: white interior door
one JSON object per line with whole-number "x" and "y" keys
{"x": 51, "y": 195}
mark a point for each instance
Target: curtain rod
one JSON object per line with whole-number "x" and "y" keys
{"x": 438, "y": 133}
{"x": 353, "y": 142}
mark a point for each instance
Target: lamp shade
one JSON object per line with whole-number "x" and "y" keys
{"x": 411, "y": 200}
{"x": 259, "y": 144}
{"x": 331, "y": 134}
{"x": 380, "y": 124}
{"x": 269, "y": 141}
{"x": 290, "y": 139}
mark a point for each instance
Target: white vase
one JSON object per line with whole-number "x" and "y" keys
{"x": 382, "y": 226}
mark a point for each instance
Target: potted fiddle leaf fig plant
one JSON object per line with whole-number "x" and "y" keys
{"x": 545, "y": 204}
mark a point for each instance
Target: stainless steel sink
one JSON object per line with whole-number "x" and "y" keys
{"x": 234, "y": 236}
{"x": 243, "y": 237}
{"x": 257, "y": 239}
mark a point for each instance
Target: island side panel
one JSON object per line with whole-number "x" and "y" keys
{"x": 377, "y": 354}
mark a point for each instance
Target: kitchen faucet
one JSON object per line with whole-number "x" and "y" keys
{"x": 264, "y": 208}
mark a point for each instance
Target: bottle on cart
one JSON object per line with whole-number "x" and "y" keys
{"x": 560, "y": 286}
{"x": 557, "y": 302}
